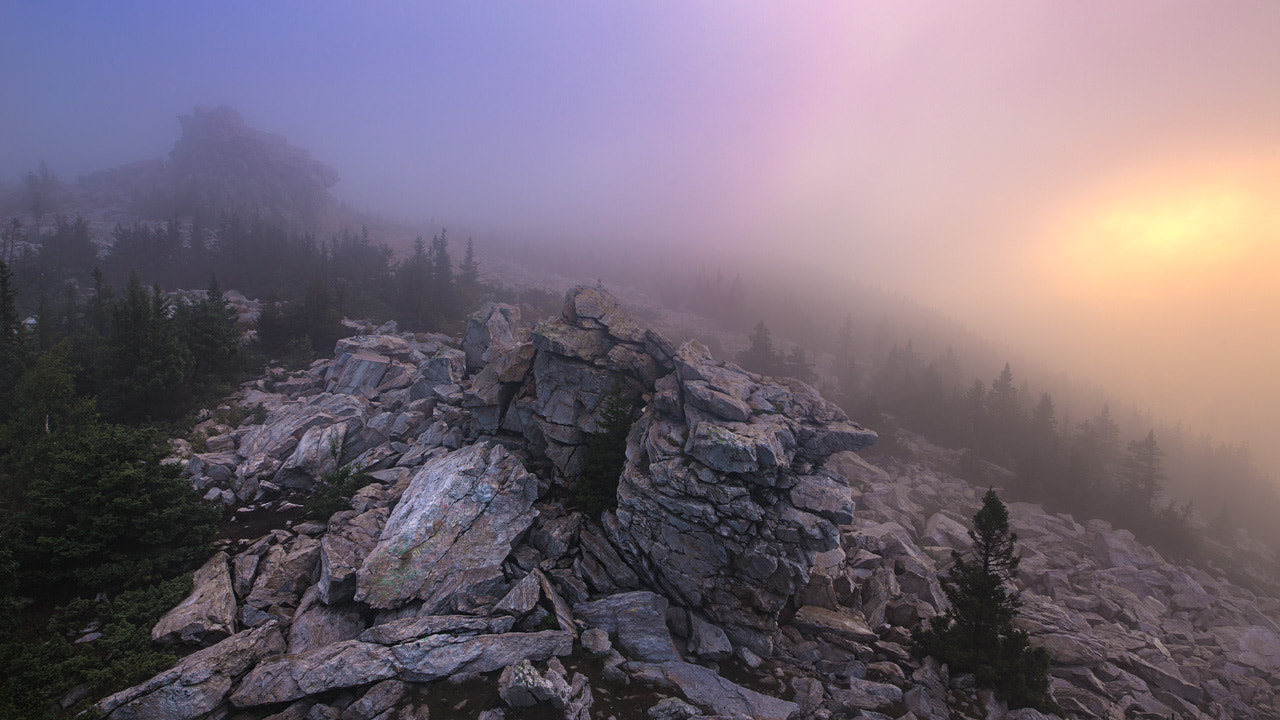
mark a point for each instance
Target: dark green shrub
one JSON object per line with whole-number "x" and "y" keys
{"x": 606, "y": 455}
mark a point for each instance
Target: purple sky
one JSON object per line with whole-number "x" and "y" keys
{"x": 1113, "y": 167}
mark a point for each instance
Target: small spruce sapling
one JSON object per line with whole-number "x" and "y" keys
{"x": 976, "y": 634}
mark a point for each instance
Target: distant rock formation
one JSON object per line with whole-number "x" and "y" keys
{"x": 745, "y": 527}
{"x": 223, "y": 164}
{"x": 219, "y": 166}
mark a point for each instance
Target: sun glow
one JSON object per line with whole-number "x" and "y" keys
{"x": 1167, "y": 244}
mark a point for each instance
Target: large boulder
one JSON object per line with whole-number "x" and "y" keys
{"x": 338, "y": 665}
{"x": 704, "y": 688}
{"x": 285, "y": 571}
{"x": 729, "y": 515}
{"x": 450, "y": 532}
{"x": 358, "y": 372}
{"x": 343, "y": 548}
{"x": 637, "y": 619}
{"x": 494, "y": 326}
{"x": 199, "y": 683}
{"x": 316, "y": 624}
{"x": 439, "y": 656}
{"x": 206, "y": 615}
{"x": 278, "y": 436}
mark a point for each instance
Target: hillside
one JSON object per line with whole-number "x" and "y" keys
{"x": 572, "y": 514}
{"x": 754, "y": 564}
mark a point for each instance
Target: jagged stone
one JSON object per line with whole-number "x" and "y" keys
{"x": 845, "y": 623}
{"x": 318, "y": 453}
{"x": 392, "y": 346}
{"x": 284, "y": 572}
{"x": 1067, "y": 649}
{"x": 687, "y": 516}
{"x": 377, "y": 700}
{"x": 521, "y": 685}
{"x": 412, "y": 628}
{"x": 706, "y": 640}
{"x": 553, "y": 536}
{"x": 596, "y": 641}
{"x": 637, "y": 619}
{"x": 703, "y": 687}
{"x": 809, "y": 695}
{"x": 669, "y": 708}
{"x": 356, "y": 373}
{"x": 522, "y": 597}
{"x": 865, "y": 695}
{"x": 208, "y": 614}
{"x": 316, "y": 624}
{"x": 244, "y": 569}
{"x": 198, "y": 684}
{"x": 343, "y": 548}
{"x": 597, "y": 547}
{"x": 446, "y": 367}
{"x": 339, "y": 665}
{"x": 494, "y": 326}
{"x": 278, "y": 435}
{"x": 438, "y": 656}
{"x": 449, "y": 534}
{"x": 824, "y": 494}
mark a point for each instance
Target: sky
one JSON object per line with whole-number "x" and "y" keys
{"x": 1094, "y": 182}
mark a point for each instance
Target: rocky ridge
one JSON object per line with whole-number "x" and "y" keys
{"x": 219, "y": 164}
{"x": 755, "y": 565}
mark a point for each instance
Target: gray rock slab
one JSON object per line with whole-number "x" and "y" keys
{"x": 285, "y": 572}
{"x": 706, "y": 689}
{"x": 343, "y": 549}
{"x": 198, "y": 684}
{"x": 208, "y": 614}
{"x": 866, "y": 695}
{"x": 289, "y": 677}
{"x": 316, "y": 624}
{"x": 412, "y": 628}
{"x": 638, "y": 619}
{"x": 438, "y": 656}
{"x": 846, "y": 623}
{"x": 451, "y": 531}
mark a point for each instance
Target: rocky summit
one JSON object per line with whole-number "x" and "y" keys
{"x": 754, "y": 566}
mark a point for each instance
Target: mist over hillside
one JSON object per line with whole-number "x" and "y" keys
{"x": 640, "y": 361}
{"x": 1083, "y": 193}
{"x": 220, "y": 169}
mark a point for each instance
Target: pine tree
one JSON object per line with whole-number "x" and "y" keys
{"x": 1004, "y": 414}
{"x": 1142, "y": 471}
{"x": 12, "y": 340}
{"x": 976, "y": 634}
{"x": 606, "y": 454}
{"x": 440, "y": 274}
{"x": 469, "y": 273}
{"x": 208, "y": 328}
{"x": 1039, "y": 456}
{"x": 760, "y": 356}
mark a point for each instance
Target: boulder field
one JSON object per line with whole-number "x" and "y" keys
{"x": 754, "y": 566}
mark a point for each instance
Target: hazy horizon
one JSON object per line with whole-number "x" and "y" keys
{"x": 1096, "y": 184}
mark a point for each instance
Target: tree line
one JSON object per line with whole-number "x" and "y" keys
{"x": 98, "y": 365}
{"x": 1084, "y": 469}
{"x": 348, "y": 272}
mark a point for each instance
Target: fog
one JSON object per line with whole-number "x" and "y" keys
{"x": 1093, "y": 183}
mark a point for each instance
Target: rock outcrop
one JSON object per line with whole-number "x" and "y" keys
{"x": 220, "y": 165}
{"x": 749, "y": 542}
{"x": 207, "y": 614}
{"x": 230, "y": 167}
{"x": 724, "y": 503}
{"x": 449, "y": 534}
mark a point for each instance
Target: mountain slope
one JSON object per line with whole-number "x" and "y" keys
{"x": 755, "y": 565}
